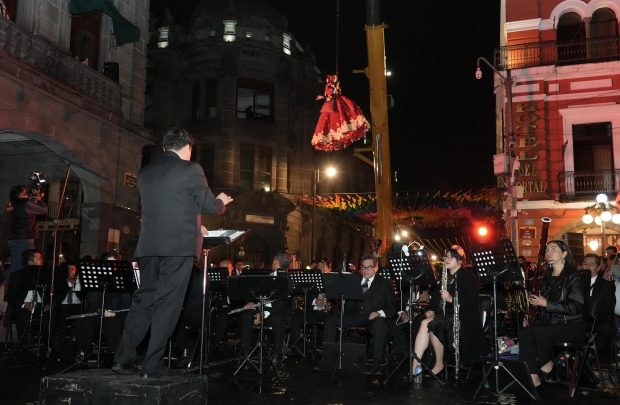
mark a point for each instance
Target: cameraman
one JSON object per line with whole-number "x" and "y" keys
{"x": 21, "y": 213}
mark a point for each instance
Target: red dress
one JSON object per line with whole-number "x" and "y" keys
{"x": 341, "y": 122}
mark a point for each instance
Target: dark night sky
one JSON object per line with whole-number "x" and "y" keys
{"x": 442, "y": 127}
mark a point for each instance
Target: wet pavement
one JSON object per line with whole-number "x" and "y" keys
{"x": 299, "y": 381}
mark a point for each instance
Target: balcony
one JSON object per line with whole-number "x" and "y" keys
{"x": 586, "y": 184}
{"x": 558, "y": 53}
{"x": 42, "y": 58}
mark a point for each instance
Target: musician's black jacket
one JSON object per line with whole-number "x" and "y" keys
{"x": 379, "y": 296}
{"x": 27, "y": 279}
{"x": 602, "y": 301}
{"x": 565, "y": 296}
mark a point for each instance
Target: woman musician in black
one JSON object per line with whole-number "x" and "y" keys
{"x": 560, "y": 301}
{"x": 438, "y": 327}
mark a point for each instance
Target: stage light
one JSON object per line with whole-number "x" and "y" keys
{"x": 483, "y": 231}
{"x": 397, "y": 238}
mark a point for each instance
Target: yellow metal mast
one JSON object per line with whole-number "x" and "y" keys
{"x": 376, "y": 73}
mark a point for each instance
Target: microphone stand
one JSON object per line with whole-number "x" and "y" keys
{"x": 54, "y": 262}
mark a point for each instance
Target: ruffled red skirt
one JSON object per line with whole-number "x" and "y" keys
{"x": 340, "y": 124}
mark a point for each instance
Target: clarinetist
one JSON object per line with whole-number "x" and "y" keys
{"x": 439, "y": 326}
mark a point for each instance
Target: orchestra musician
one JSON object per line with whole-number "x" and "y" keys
{"x": 372, "y": 313}
{"x": 277, "y": 315}
{"x": 438, "y": 327}
{"x": 561, "y": 303}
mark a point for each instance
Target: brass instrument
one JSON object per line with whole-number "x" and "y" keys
{"x": 299, "y": 302}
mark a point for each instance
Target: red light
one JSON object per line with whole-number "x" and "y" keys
{"x": 483, "y": 231}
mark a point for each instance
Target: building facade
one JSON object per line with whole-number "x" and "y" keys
{"x": 240, "y": 82}
{"x": 564, "y": 59}
{"x": 72, "y": 79}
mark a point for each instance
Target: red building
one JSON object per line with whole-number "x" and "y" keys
{"x": 564, "y": 59}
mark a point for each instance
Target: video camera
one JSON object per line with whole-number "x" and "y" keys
{"x": 36, "y": 179}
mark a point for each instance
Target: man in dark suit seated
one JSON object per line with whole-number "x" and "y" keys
{"x": 277, "y": 314}
{"x": 600, "y": 301}
{"x": 372, "y": 313}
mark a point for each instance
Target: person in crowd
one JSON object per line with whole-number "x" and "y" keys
{"x": 438, "y": 327}
{"x": 600, "y": 301}
{"x": 174, "y": 192}
{"x": 372, "y": 313}
{"x": 27, "y": 289}
{"x": 277, "y": 314}
{"x": 21, "y": 219}
{"x": 561, "y": 303}
{"x": 239, "y": 267}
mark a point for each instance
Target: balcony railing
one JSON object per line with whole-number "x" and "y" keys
{"x": 48, "y": 60}
{"x": 558, "y": 53}
{"x": 586, "y": 184}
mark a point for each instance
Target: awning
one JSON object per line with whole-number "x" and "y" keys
{"x": 124, "y": 31}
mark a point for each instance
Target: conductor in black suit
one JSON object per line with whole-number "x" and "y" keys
{"x": 174, "y": 192}
{"x": 372, "y": 313}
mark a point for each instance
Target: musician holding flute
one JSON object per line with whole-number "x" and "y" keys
{"x": 458, "y": 296}
{"x": 561, "y": 301}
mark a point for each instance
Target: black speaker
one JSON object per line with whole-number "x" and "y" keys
{"x": 514, "y": 378}
{"x": 353, "y": 359}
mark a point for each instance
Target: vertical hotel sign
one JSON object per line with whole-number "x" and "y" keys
{"x": 529, "y": 127}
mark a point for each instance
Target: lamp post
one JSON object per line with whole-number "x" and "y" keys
{"x": 509, "y": 145}
{"x": 329, "y": 172}
{"x": 601, "y": 212}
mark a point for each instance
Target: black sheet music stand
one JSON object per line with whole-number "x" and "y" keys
{"x": 213, "y": 239}
{"x": 306, "y": 280}
{"x": 105, "y": 276}
{"x": 263, "y": 289}
{"x": 216, "y": 290}
{"x": 414, "y": 269}
{"x": 345, "y": 287}
{"x": 493, "y": 262}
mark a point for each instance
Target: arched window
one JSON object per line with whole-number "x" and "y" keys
{"x": 571, "y": 39}
{"x": 604, "y": 34}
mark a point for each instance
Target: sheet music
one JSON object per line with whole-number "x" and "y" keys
{"x": 232, "y": 234}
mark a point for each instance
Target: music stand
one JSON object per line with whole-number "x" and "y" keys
{"x": 217, "y": 287}
{"x": 265, "y": 289}
{"x": 305, "y": 281}
{"x": 411, "y": 270}
{"x": 212, "y": 239}
{"x": 105, "y": 276}
{"x": 493, "y": 262}
{"x": 343, "y": 286}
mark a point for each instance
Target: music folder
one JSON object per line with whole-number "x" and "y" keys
{"x": 221, "y": 237}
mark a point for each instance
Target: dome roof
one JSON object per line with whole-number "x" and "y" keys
{"x": 259, "y": 14}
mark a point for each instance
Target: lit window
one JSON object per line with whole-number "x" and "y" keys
{"x": 230, "y": 30}
{"x": 286, "y": 43}
{"x": 163, "y": 37}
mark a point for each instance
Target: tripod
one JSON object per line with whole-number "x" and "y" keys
{"x": 306, "y": 281}
{"x": 504, "y": 257}
{"x": 265, "y": 289}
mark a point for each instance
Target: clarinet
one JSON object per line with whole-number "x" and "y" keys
{"x": 444, "y": 286}
{"x": 456, "y": 329}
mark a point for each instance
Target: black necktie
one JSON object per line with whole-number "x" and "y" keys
{"x": 365, "y": 286}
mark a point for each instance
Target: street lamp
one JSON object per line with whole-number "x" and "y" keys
{"x": 509, "y": 144}
{"x": 330, "y": 172}
{"x": 601, "y": 212}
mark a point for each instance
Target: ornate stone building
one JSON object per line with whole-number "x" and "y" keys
{"x": 564, "y": 59}
{"x": 242, "y": 84}
{"x": 72, "y": 81}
